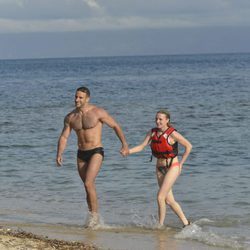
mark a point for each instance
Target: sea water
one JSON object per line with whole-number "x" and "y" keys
{"x": 208, "y": 97}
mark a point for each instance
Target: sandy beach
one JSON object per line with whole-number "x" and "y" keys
{"x": 13, "y": 239}
{"x": 47, "y": 237}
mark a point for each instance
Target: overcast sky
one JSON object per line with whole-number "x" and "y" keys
{"x": 48, "y": 28}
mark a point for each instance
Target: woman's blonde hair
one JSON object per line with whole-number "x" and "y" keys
{"x": 167, "y": 114}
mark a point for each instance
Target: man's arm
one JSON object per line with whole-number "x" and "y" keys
{"x": 62, "y": 142}
{"x": 121, "y": 136}
{"x": 111, "y": 122}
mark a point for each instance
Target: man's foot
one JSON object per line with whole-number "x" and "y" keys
{"x": 93, "y": 220}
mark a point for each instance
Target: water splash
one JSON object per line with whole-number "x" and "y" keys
{"x": 195, "y": 232}
{"x": 149, "y": 223}
{"x": 93, "y": 221}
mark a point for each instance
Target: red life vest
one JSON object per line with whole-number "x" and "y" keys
{"x": 160, "y": 146}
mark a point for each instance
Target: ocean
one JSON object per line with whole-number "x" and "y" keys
{"x": 208, "y": 97}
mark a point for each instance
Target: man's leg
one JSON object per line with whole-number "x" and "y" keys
{"x": 82, "y": 169}
{"x": 91, "y": 173}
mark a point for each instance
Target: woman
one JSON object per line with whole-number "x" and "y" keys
{"x": 164, "y": 141}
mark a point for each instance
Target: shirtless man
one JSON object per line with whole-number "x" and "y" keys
{"x": 87, "y": 121}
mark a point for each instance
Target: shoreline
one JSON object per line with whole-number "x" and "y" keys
{"x": 19, "y": 239}
{"x": 15, "y": 236}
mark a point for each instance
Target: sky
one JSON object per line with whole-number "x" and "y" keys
{"x": 78, "y": 28}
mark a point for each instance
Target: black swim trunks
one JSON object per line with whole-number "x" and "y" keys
{"x": 85, "y": 155}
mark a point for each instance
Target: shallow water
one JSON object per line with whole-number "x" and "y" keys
{"x": 208, "y": 97}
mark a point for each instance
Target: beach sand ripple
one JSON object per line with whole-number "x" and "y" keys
{"x": 11, "y": 239}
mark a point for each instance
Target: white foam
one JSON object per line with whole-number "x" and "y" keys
{"x": 194, "y": 232}
{"x": 204, "y": 221}
{"x": 145, "y": 223}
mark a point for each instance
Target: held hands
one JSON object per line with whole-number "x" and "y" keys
{"x": 124, "y": 151}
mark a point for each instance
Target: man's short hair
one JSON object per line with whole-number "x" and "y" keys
{"x": 84, "y": 90}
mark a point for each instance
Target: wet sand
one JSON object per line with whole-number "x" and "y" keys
{"x": 13, "y": 239}
{"x": 48, "y": 237}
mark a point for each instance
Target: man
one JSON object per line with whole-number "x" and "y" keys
{"x": 87, "y": 121}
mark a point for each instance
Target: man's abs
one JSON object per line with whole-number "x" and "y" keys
{"x": 89, "y": 138}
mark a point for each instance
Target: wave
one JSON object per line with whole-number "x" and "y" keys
{"x": 195, "y": 232}
{"x": 136, "y": 225}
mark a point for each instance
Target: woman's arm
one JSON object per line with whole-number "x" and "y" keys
{"x": 185, "y": 143}
{"x": 141, "y": 146}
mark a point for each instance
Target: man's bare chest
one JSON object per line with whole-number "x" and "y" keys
{"x": 84, "y": 121}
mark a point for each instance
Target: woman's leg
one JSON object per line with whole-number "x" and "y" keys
{"x": 160, "y": 177}
{"x": 170, "y": 200}
{"x": 165, "y": 188}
